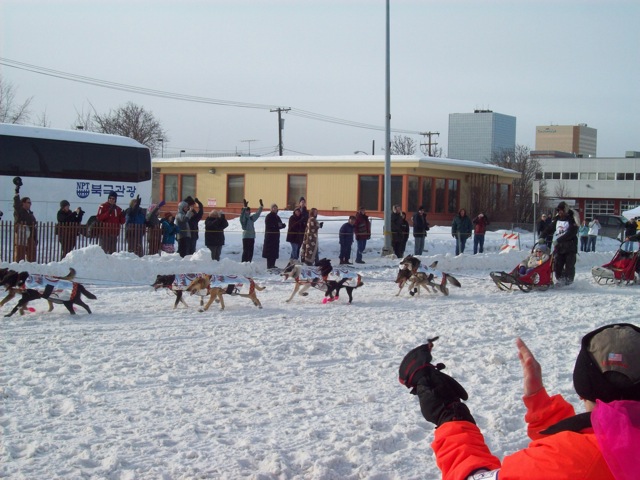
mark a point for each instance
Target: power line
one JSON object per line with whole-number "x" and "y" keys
{"x": 188, "y": 98}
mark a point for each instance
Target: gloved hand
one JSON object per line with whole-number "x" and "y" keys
{"x": 440, "y": 395}
{"x": 161, "y": 204}
{"x": 245, "y": 203}
{"x": 440, "y": 398}
{"x": 261, "y": 204}
{"x": 321, "y": 224}
{"x": 197, "y": 201}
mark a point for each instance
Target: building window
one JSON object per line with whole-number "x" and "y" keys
{"x": 440, "y": 195}
{"x": 427, "y": 188}
{"x": 503, "y": 196}
{"x": 598, "y": 207}
{"x": 178, "y": 187}
{"x": 606, "y": 176}
{"x": 628, "y": 205}
{"x": 569, "y": 175}
{"x": 396, "y": 190}
{"x": 369, "y": 188}
{"x": 588, "y": 175}
{"x": 296, "y": 187}
{"x": 412, "y": 200}
{"x": 625, "y": 176}
{"x": 235, "y": 189}
{"x": 452, "y": 196}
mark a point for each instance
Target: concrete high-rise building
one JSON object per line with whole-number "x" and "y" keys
{"x": 579, "y": 140}
{"x": 480, "y": 135}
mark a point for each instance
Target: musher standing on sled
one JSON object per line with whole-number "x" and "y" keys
{"x": 565, "y": 244}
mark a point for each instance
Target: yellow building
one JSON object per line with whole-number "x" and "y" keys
{"x": 336, "y": 185}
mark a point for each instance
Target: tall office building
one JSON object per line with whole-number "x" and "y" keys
{"x": 579, "y": 140}
{"x": 480, "y": 135}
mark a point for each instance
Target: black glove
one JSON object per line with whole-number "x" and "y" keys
{"x": 440, "y": 398}
{"x": 321, "y": 224}
{"x": 197, "y": 201}
{"x": 244, "y": 201}
{"x": 261, "y": 204}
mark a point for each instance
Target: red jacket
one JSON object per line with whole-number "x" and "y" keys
{"x": 460, "y": 448}
{"x": 112, "y": 219}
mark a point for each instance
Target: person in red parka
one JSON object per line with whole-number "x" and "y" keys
{"x": 110, "y": 217}
{"x": 600, "y": 444}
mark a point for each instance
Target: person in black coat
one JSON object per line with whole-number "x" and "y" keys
{"x": 214, "y": 227}
{"x": 564, "y": 230}
{"x": 295, "y": 232}
{"x": 405, "y": 229}
{"x": 67, "y": 228}
{"x": 544, "y": 222}
{"x": 193, "y": 223}
{"x": 396, "y": 227}
{"x": 272, "y": 226}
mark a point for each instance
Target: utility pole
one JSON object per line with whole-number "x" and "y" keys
{"x": 429, "y": 144}
{"x": 280, "y": 126}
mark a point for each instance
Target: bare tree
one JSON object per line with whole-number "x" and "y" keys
{"x": 84, "y": 120}
{"x": 11, "y": 111}
{"x": 530, "y": 169}
{"x": 562, "y": 190}
{"x": 132, "y": 121}
{"x": 403, "y": 145}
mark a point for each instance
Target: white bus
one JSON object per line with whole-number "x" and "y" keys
{"x": 81, "y": 167}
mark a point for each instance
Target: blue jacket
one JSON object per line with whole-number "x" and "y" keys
{"x": 169, "y": 232}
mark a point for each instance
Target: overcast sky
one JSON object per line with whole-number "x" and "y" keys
{"x": 544, "y": 62}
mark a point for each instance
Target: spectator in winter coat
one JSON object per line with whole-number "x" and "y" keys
{"x": 565, "y": 241}
{"x": 362, "y": 232}
{"x": 545, "y": 221}
{"x": 271, "y": 246}
{"x": 479, "y": 229}
{"x": 461, "y": 230}
{"x": 600, "y": 444}
{"x": 110, "y": 217}
{"x": 594, "y": 229}
{"x": 67, "y": 228}
{"x": 420, "y": 229}
{"x": 214, "y": 227}
{"x": 396, "y": 229}
{"x": 405, "y": 229}
{"x": 310, "y": 244}
{"x": 135, "y": 218}
{"x": 185, "y": 213}
{"x": 194, "y": 223}
{"x": 295, "y": 233}
{"x": 154, "y": 234}
{"x": 169, "y": 232}
{"x": 630, "y": 229}
{"x": 583, "y": 233}
{"x": 346, "y": 240}
{"x": 247, "y": 221}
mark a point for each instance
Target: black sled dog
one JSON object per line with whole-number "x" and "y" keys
{"x": 53, "y": 289}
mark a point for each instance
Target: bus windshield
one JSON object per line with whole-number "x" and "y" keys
{"x": 80, "y": 167}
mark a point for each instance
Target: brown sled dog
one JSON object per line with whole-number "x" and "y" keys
{"x": 219, "y": 285}
{"x": 417, "y": 275}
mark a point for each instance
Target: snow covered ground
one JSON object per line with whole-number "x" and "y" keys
{"x": 298, "y": 390}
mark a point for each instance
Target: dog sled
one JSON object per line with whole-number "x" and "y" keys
{"x": 622, "y": 269}
{"x": 539, "y": 278}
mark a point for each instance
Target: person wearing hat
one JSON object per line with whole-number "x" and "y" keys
{"x": 25, "y": 225}
{"x": 247, "y": 221}
{"x": 564, "y": 231}
{"x": 539, "y": 256}
{"x": 67, "y": 227}
{"x": 600, "y": 444}
{"x": 396, "y": 229}
{"x": 169, "y": 232}
{"x": 420, "y": 229}
{"x": 271, "y": 246}
{"x": 110, "y": 217}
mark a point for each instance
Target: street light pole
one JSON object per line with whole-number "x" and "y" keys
{"x": 181, "y": 152}
{"x": 386, "y": 250}
{"x": 161, "y": 140}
